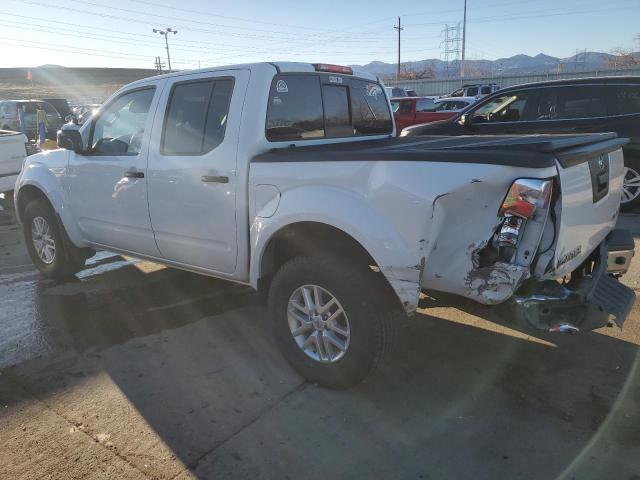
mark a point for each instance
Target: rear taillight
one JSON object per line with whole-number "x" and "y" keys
{"x": 525, "y": 196}
{"x": 327, "y": 67}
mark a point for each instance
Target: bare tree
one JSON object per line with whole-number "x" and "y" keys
{"x": 622, "y": 58}
{"x": 408, "y": 72}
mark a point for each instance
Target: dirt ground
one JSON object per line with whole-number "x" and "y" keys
{"x": 138, "y": 371}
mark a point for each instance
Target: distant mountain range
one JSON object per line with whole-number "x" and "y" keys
{"x": 518, "y": 64}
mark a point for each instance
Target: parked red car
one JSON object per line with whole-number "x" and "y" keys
{"x": 415, "y": 110}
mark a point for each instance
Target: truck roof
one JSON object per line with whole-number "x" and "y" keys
{"x": 279, "y": 67}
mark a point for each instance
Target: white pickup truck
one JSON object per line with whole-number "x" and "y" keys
{"x": 288, "y": 177}
{"x": 13, "y": 150}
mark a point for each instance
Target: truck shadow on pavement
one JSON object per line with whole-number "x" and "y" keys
{"x": 181, "y": 375}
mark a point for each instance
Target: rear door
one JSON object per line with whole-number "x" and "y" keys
{"x": 570, "y": 109}
{"x": 192, "y": 169}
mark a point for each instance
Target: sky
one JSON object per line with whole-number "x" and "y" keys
{"x": 119, "y": 33}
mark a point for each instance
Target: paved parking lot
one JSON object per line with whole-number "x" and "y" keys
{"x": 138, "y": 371}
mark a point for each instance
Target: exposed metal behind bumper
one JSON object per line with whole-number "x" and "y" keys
{"x": 584, "y": 304}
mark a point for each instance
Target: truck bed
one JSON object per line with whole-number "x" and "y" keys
{"x": 533, "y": 151}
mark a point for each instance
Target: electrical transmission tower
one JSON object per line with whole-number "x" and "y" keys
{"x": 451, "y": 49}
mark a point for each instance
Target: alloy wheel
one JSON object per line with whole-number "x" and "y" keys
{"x": 43, "y": 241}
{"x": 631, "y": 185}
{"x": 318, "y": 323}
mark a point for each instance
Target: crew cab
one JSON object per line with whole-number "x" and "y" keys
{"x": 288, "y": 177}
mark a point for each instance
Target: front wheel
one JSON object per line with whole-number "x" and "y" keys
{"x": 332, "y": 319}
{"x": 50, "y": 251}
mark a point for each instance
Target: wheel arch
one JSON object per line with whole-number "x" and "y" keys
{"x": 308, "y": 236}
{"x": 26, "y": 194}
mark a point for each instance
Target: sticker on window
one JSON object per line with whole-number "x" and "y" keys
{"x": 333, "y": 79}
{"x": 281, "y": 87}
{"x": 373, "y": 90}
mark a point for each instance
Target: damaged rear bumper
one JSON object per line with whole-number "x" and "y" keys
{"x": 584, "y": 303}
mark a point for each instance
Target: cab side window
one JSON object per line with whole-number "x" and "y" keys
{"x": 120, "y": 127}
{"x": 425, "y": 105}
{"x": 510, "y": 107}
{"x": 406, "y": 108}
{"x": 196, "y": 116}
{"x": 580, "y": 102}
{"x": 627, "y": 99}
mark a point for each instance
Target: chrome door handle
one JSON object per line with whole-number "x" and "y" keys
{"x": 134, "y": 174}
{"x": 214, "y": 179}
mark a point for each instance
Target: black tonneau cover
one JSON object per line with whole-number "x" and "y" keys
{"x": 533, "y": 151}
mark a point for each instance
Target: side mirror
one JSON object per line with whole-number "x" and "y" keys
{"x": 69, "y": 138}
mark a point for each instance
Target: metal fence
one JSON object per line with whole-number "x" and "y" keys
{"x": 442, "y": 86}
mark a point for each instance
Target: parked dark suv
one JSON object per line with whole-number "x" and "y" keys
{"x": 607, "y": 104}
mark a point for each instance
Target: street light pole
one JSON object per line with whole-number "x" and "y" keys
{"x": 166, "y": 33}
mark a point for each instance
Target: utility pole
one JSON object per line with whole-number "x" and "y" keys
{"x": 159, "y": 64}
{"x": 165, "y": 33}
{"x": 399, "y": 29}
{"x": 464, "y": 38}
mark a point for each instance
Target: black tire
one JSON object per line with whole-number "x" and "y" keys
{"x": 365, "y": 297}
{"x": 633, "y": 164}
{"x": 67, "y": 258}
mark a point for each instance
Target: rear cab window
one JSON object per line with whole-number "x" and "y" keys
{"x": 316, "y": 105}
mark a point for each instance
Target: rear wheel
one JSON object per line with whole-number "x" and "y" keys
{"x": 631, "y": 186}
{"x": 50, "y": 250}
{"x": 333, "y": 320}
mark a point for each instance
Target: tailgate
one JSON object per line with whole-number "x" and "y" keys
{"x": 591, "y": 187}
{"x": 12, "y": 153}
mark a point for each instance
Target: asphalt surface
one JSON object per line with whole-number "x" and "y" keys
{"x": 138, "y": 371}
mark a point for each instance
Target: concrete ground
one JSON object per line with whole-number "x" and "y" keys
{"x": 138, "y": 371}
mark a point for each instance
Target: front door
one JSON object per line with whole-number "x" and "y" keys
{"x": 108, "y": 184}
{"x": 505, "y": 114}
{"x": 192, "y": 170}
